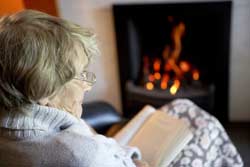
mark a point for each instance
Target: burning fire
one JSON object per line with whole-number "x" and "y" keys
{"x": 157, "y": 65}
{"x": 196, "y": 75}
{"x": 164, "y": 82}
{"x": 185, "y": 66}
{"x": 168, "y": 72}
{"x": 175, "y": 87}
{"x": 149, "y": 86}
{"x": 157, "y": 75}
{"x": 151, "y": 78}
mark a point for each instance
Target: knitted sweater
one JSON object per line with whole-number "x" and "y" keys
{"x": 48, "y": 137}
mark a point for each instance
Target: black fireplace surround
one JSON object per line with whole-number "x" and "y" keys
{"x": 143, "y": 29}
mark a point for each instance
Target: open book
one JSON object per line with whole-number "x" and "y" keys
{"x": 159, "y": 136}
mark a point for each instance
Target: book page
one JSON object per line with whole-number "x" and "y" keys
{"x": 129, "y": 130}
{"x": 159, "y": 137}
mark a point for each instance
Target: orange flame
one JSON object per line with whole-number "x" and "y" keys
{"x": 196, "y": 75}
{"x": 185, "y": 66}
{"x": 157, "y": 75}
{"x": 164, "y": 85}
{"x": 164, "y": 81}
{"x": 172, "y": 53}
{"x": 174, "y": 88}
{"x": 149, "y": 86}
{"x": 167, "y": 67}
{"x": 151, "y": 78}
{"x": 157, "y": 65}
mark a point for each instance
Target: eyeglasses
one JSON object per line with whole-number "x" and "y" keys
{"x": 88, "y": 77}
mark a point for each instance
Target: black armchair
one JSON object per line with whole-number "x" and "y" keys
{"x": 102, "y": 117}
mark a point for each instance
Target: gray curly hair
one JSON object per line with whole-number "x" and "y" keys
{"x": 39, "y": 53}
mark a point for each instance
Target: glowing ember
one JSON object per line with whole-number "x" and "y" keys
{"x": 196, "y": 75}
{"x": 164, "y": 81}
{"x": 165, "y": 77}
{"x": 151, "y": 78}
{"x": 157, "y": 65}
{"x": 149, "y": 86}
{"x": 167, "y": 67}
{"x": 174, "y": 88}
{"x": 185, "y": 67}
{"x": 164, "y": 85}
{"x": 157, "y": 75}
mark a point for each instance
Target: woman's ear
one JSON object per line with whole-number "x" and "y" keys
{"x": 44, "y": 101}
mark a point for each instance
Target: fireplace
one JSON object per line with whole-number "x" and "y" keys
{"x": 176, "y": 50}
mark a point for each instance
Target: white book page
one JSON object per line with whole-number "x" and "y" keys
{"x": 161, "y": 138}
{"x": 127, "y": 132}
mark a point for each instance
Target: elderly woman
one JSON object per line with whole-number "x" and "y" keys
{"x": 42, "y": 84}
{"x": 43, "y": 78}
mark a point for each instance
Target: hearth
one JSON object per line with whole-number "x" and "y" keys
{"x": 169, "y": 51}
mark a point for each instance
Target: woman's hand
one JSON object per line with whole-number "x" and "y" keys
{"x": 140, "y": 163}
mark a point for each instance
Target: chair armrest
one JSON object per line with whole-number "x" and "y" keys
{"x": 100, "y": 116}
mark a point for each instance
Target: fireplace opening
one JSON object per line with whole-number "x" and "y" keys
{"x": 169, "y": 51}
{"x": 165, "y": 69}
